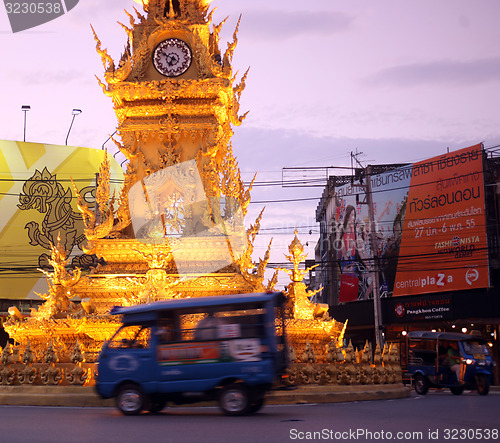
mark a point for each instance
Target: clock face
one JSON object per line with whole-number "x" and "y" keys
{"x": 172, "y": 57}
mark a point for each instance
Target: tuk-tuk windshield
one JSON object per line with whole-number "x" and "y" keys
{"x": 475, "y": 347}
{"x": 130, "y": 336}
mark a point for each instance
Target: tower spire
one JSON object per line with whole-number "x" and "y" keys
{"x": 172, "y": 8}
{"x": 167, "y": 91}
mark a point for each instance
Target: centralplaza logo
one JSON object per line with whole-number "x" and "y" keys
{"x": 26, "y": 14}
{"x": 471, "y": 276}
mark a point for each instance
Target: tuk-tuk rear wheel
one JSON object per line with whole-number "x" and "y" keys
{"x": 483, "y": 385}
{"x": 256, "y": 401}
{"x": 421, "y": 385}
{"x": 156, "y": 404}
{"x": 234, "y": 399}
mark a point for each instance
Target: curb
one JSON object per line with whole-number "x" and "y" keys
{"x": 71, "y": 396}
{"x": 338, "y": 394}
{"x": 85, "y": 396}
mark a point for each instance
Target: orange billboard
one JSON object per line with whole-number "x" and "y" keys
{"x": 430, "y": 224}
{"x": 444, "y": 245}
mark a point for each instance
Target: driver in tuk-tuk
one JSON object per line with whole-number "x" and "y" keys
{"x": 454, "y": 359}
{"x": 165, "y": 330}
{"x": 443, "y": 354}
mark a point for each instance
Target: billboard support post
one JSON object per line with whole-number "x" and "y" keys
{"x": 377, "y": 311}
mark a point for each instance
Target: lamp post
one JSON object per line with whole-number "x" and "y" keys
{"x": 25, "y": 109}
{"x": 75, "y": 112}
{"x": 108, "y": 139}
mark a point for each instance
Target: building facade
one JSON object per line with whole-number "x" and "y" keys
{"x": 429, "y": 247}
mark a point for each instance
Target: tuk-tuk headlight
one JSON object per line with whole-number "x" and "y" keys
{"x": 470, "y": 361}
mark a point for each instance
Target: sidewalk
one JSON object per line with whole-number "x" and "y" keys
{"x": 78, "y": 396}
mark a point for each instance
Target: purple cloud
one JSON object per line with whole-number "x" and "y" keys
{"x": 283, "y": 25}
{"x": 439, "y": 72}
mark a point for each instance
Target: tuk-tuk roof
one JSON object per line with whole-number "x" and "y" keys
{"x": 131, "y": 313}
{"x": 457, "y": 336}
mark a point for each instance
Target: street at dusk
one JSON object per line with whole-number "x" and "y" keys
{"x": 249, "y": 221}
{"x": 438, "y": 417}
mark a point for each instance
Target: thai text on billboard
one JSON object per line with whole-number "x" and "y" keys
{"x": 444, "y": 244}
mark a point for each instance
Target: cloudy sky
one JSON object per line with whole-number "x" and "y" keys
{"x": 397, "y": 80}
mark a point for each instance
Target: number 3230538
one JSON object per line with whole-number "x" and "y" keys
{"x": 33, "y": 8}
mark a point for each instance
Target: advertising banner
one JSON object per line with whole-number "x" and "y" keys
{"x": 429, "y": 219}
{"x": 238, "y": 350}
{"x": 37, "y": 202}
{"x": 444, "y": 244}
{"x": 352, "y": 243}
{"x": 189, "y": 353}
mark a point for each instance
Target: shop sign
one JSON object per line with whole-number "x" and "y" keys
{"x": 436, "y": 307}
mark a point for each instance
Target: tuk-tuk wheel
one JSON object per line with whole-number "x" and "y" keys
{"x": 457, "y": 390}
{"x": 483, "y": 385}
{"x": 130, "y": 400}
{"x": 234, "y": 399}
{"x": 421, "y": 385}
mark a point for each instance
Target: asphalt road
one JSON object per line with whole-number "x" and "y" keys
{"x": 438, "y": 416}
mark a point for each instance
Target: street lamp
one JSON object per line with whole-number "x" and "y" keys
{"x": 25, "y": 109}
{"x": 75, "y": 112}
{"x": 108, "y": 139}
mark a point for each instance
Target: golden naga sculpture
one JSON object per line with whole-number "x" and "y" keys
{"x": 57, "y": 303}
{"x": 305, "y": 318}
{"x": 94, "y": 230}
{"x": 299, "y": 305}
{"x": 59, "y": 320}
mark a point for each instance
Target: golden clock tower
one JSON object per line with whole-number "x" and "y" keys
{"x": 173, "y": 90}
{"x": 179, "y": 221}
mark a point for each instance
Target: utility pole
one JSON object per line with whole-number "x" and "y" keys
{"x": 377, "y": 311}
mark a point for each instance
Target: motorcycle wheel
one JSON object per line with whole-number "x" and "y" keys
{"x": 421, "y": 385}
{"x": 483, "y": 385}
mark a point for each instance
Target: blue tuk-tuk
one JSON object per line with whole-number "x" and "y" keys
{"x": 447, "y": 360}
{"x": 230, "y": 348}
